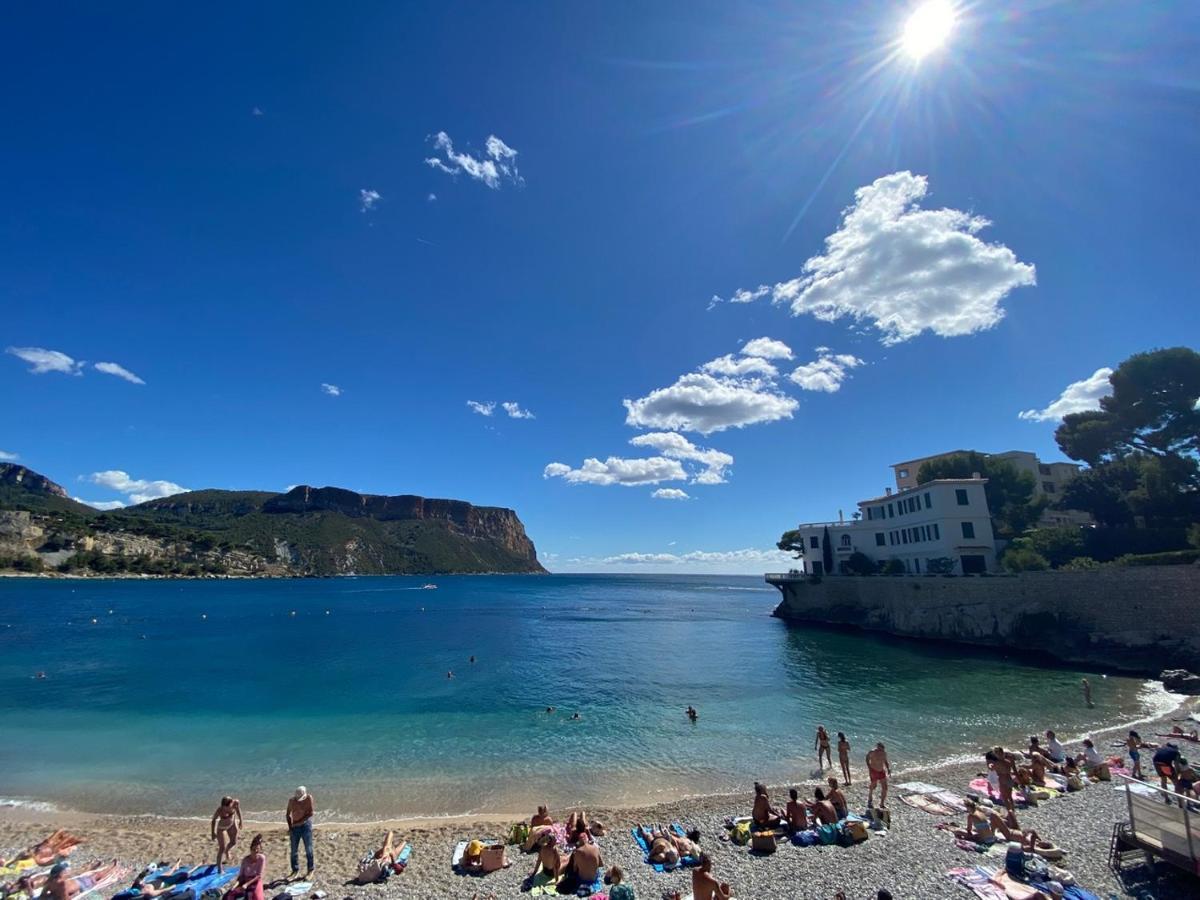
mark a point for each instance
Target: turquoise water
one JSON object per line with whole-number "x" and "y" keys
{"x": 180, "y": 691}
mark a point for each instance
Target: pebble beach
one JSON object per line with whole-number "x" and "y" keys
{"x": 910, "y": 859}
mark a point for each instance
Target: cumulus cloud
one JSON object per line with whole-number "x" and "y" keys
{"x": 331, "y": 389}
{"x": 368, "y": 199}
{"x": 739, "y": 365}
{"x": 498, "y": 165}
{"x": 112, "y": 368}
{"x": 101, "y": 504}
{"x": 5, "y": 456}
{"x": 1079, "y": 396}
{"x": 741, "y": 295}
{"x": 138, "y": 490}
{"x": 514, "y": 410}
{"x": 618, "y": 470}
{"x": 766, "y": 348}
{"x": 704, "y": 403}
{"x": 483, "y": 408}
{"x": 675, "y": 446}
{"x": 42, "y": 360}
{"x": 431, "y": 198}
{"x": 746, "y": 558}
{"x": 826, "y": 372}
{"x": 906, "y": 269}
{"x": 670, "y": 494}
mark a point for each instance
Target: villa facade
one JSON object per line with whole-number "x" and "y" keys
{"x": 944, "y": 519}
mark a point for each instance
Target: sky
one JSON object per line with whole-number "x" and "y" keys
{"x": 667, "y": 279}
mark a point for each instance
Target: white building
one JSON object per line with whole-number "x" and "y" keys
{"x": 943, "y": 519}
{"x": 1049, "y": 479}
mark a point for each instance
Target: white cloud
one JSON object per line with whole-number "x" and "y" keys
{"x": 703, "y": 403}
{"x": 484, "y": 409}
{"x": 432, "y": 198}
{"x": 766, "y": 348}
{"x": 745, "y": 560}
{"x": 5, "y": 456}
{"x": 514, "y": 410}
{"x": 368, "y": 199}
{"x": 1079, "y": 396}
{"x": 101, "y": 504}
{"x": 617, "y": 470}
{"x": 670, "y": 494}
{"x": 331, "y": 389}
{"x": 41, "y": 360}
{"x": 741, "y": 295}
{"x": 825, "y": 373}
{"x": 112, "y": 368}
{"x": 499, "y": 164}
{"x": 256, "y": 111}
{"x": 906, "y": 269}
{"x": 676, "y": 446}
{"x": 138, "y": 490}
{"x": 743, "y": 365}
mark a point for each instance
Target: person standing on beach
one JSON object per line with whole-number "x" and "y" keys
{"x": 879, "y": 767}
{"x": 1004, "y": 767}
{"x": 844, "y": 756}
{"x": 821, "y": 745}
{"x": 225, "y": 825}
{"x": 1087, "y": 693}
{"x": 299, "y": 822}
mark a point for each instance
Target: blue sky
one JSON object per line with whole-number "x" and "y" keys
{"x": 211, "y": 213}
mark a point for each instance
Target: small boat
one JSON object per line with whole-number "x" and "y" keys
{"x": 429, "y": 587}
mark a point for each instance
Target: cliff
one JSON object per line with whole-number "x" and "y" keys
{"x": 307, "y": 531}
{"x": 1123, "y": 619}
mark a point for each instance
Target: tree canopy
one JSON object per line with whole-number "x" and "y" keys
{"x": 792, "y": 542}
{"x": 1009, "y": 491}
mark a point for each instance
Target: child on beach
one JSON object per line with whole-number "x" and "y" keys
{"x": 618, "y": 890}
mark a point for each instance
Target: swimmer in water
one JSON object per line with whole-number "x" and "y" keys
{"x": 576, "y": 716}
{"x": 450, "y": 674}
{"x": 692, "y": 714}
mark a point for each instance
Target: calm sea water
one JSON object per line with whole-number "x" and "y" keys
{"x": 159, "y": 696}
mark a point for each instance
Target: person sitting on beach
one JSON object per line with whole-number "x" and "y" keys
{"x": 764, "y": 815}
{"x": 822, "y": 810}
{"x": 1177, "y": 731}
{"x": 1092, "y": 762}
{"x": 843, "y": 748}
{"x": 979, "y": 827}
{"x": 797, "y": 812}
{"x": 1034, "y": 746}
{"x": 549, "y": 859}
{"x": 541, "y": 817}
{"x": 1037, "y": 769}
{"x": 249, "y": 882}
{"x": 879, "y": 768}
{"x": 1055, "y": 750}
{"x": 583, "y": 866}
{"x": 821, "y": 745}
{"x": 705, "y": 885}
{"x": 835, "y": 796}
{"x": 372, "y": 866}
{"x": 225, "y": 825}
{"x": 472, "y": 858}
{"x": 618, "y": 890}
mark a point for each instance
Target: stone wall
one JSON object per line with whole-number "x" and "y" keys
{"x": 1136, "y": 619}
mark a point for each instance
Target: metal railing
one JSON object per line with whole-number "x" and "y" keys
{"x": 1164, "y": 822}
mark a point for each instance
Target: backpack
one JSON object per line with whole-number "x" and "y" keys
{"x": 740, "y": 834}
{"x": 371, "y": 870}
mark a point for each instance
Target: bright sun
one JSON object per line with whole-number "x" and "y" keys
{"x": 927, "y": 28}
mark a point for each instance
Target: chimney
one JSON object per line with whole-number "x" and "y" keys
{"x": 887, "y": 492}
{"x": 841, "y": 518}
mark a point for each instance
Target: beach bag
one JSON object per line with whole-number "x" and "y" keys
{"x": 827, "y": 834}
{"x": 1074, "y": 783}
{"x": 1103, "y": 773}
{"x": 855, "y": 830}
{"x": 880, "y": 818}
{"x": 371, "y": 870}
{"x": 518, "y": 834}
{"x": 763, "y": 842}
{"x": 740, "y": 834}
{"x": 493, "y": 858}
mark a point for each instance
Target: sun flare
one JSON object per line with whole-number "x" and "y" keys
{"x": 928, "y": 28}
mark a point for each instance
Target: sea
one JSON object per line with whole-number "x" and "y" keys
{"x": 157, "y": 697}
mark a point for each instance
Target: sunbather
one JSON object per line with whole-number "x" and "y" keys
{"x": 797, "y": 812}
{"x": 583, "y": 866}
{"x": 1055, "y": 750}
{"x": 668, "y": 848}
{"x": 60, "y": 885}
{"x": 60, "y": 843}
{"x": 225, "y": 825}
{"x": 164, "y": 881}
{"x": 822, "y": 810}
{"x": 1004, "y": 766}
{"x": 549, "y": 859}
{"x": 764, "y": 815}
{"x": 249, "y": 882}
{"x": 541, "y": 817}
{"x": 372, "y": 866}
{"x": 1092, "y": 762}
{"x": 979, "y": 828}
{"x": 837, "y": 798}
{"x": 705, "y": 885}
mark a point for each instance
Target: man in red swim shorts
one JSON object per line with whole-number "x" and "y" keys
{"x": 879, "y": 768}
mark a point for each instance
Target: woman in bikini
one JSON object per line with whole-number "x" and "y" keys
{"x": 225, "y": 824}
{"x": 821, "y": 745}
{"x": 844, "y": 756}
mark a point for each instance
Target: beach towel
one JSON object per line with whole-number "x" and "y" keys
{"x": 402, "y": 859}
{"x": 918, "y": 787}
{"x": 978, "y": 880}
{"x": 299, "y": 889}
{"x": 456, "y": 858}
{"x": 926, "y": 803}
{"x": 1013, "y": 889}
{"x": 543, "y": 884}
{"x": 983, "y": 788}
{"x": 950, "y": 799}
{"x": 663, "y": 867}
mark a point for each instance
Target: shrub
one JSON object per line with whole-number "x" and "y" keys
{"x": 858, "y": 563}
{"x": 1176, "y": 558}
{"x": 1022, "y": 559}
{"x": 892, "y": 567}
{"x": 940, "y": 565}
{"x": 1080, "y": 564}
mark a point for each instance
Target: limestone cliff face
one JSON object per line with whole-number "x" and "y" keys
{"x": 483, "y": 522}
{"x": 18, "y": 476}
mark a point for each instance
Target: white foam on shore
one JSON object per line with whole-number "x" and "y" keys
{"x": 31, "y": 805}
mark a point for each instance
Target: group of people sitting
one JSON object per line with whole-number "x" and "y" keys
{"x": 827, "y": 807}
{"x": 577, "y": 863}
{"x": 985, "y": 826}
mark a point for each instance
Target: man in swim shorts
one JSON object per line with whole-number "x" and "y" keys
{"x": 879, "y": 768}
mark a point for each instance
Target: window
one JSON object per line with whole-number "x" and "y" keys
{"x": 928, "y": 502}
{"x": 845, "y": 540}
{"x": 937, "y": 533}
{"x": 903, "y": 473}
{"x": 891, "y": 515}
{"x": 870, "y": 513}
{"x": 904, "y": 536}
{"x": 961, "y": 495}
{"x": 1048, "y": 487}
{"x": 879, "y": 540}
{"x": 1043, "y": 469}
{"x": 917, "y": 566}
{"x": 968, "y": 529}
{"x": 814, "y": 542}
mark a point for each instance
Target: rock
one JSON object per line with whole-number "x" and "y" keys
{"x": 1180, "y": 681}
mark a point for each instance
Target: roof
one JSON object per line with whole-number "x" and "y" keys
{"x": 909, "y": 462}
{"x": 922, "y": 487}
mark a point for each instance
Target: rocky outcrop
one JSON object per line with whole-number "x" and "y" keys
{"x": 18, "y": 476}
{"x": 1180, "y": 681}
{"x": 19, "y": 534}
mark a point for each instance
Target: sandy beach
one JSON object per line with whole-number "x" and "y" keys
{"x": 910, "y": 859}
